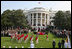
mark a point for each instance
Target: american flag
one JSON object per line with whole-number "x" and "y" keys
{"x": 39, "y": 2}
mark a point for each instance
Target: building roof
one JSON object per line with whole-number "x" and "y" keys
{"x": 38, "y": 9}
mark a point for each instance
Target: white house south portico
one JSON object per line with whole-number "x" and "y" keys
{"x": 39, "y": 17}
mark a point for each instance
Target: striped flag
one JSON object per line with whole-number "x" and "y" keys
{"x": 39, "y": 2}
{"x": 68, "y": 41}
{"x": 69, "y": 44}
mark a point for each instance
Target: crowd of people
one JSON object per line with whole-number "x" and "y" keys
{"x": 61, "y": 33}
{"x": 22, "y": 34}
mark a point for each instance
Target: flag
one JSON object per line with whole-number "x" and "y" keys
{"x": 69, "y": 44}
{"x": 39, "y": 2}
{"x": 68, "y": 41}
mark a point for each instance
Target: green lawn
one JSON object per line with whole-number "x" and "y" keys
{"x": 5, "y": 41}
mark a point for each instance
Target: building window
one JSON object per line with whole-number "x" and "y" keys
{"x": 31, "y": 15}
{"x": 51, "y": 17}
{"x": 43, "y": 24}
{"x": 39, "y": 21}
{"x": 34, "y": 25}
{"x": 39, "y": 15}
{"x": 46, "y": 15}
{"x": 34, "y": 15}
{"x": 43, "y": 20}
{"x": 31, "y": 21}
{"x": 50, "y": 23}
{"x": 38, "y": 24}
{"x": 43, "y": 15}
{"x": 34, "y": 22}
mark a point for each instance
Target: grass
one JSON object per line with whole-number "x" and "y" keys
{"x": 5, "y": 41}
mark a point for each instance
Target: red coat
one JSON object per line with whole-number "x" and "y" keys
{"x": 15, "y": 34}
{"x": 36, "y": 38}
{"x": 22, "y": 35}
{"x": 30, "y": 37}
{"x": 18, "y": 35}
{"x": 25, "y": 37}
{"x": 18, "y": 38}
{"x": 47, "y": 36}
{"x": 11, "y": 37}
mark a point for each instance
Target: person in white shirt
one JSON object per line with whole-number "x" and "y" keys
{"x": 65, "y": 44}
{"x": 32, "y": 45}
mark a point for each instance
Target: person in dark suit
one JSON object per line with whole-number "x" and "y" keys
{"x": 54, "y": 43}
{"x": 59, "y": 44}
{"x": 62, "y": 42}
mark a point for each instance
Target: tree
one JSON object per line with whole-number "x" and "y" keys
{"x": 13, "y": 18}
{"x": 62, "y": 20}
{"x": 5, "y": 21}
{"x": 59, "y": 19}
{"x": 68, "y": 20}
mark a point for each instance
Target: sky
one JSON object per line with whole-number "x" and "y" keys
{"x": 55, "y": 5}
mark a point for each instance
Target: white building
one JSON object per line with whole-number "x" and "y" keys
{"x": 39, "y": 17}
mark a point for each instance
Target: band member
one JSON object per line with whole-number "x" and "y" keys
{"x": 31, "y": 38}
{"x": 19, "y": 41}
{"x": 47, "y": 37}
{"x": 36, "y": 39}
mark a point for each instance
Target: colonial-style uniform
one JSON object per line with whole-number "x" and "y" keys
{"x": 36, "y": 39}
{"x": 47, "y": 37}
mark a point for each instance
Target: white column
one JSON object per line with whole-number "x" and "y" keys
{"x": 36, "y": 19}
{"x": 45, "y": 19}
{"x": 29, "y": 18}
{"x": 48, "y": 19}
{"x": 41, "y": 19}
{"x": 32, "y": 18}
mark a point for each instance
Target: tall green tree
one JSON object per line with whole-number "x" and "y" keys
{"x": 5, "y": 21}
{"x": 62, "y": 20}
{"x": 68, "y": 20}
{"x": 13, "y": 18}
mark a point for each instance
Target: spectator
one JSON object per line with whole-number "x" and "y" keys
{"x": 53, "y": 43}
{"x": 63, "y": 34}
{"x": 59, "y": 44}
{"x": 62, "y": 42}
{"x": 60, "y": 33}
